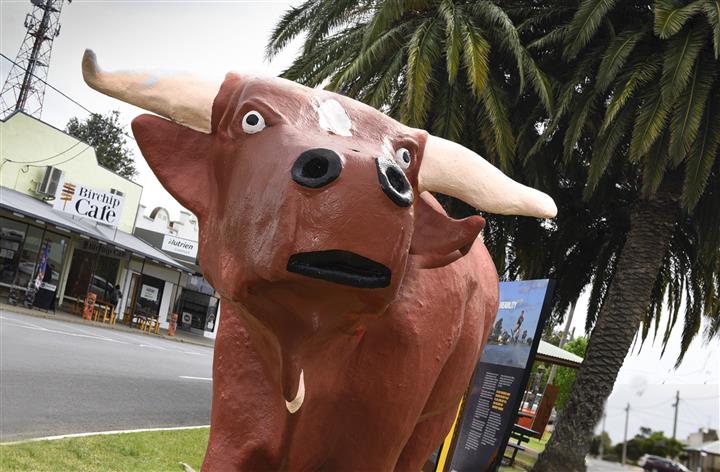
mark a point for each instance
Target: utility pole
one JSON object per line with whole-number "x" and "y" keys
{"x": 563, "y": 339}
{"x": 624, "y": 450}
{"x": 602, "y": 435}
{"x": 677, "y": 403}
{"x": 24, "y": 88}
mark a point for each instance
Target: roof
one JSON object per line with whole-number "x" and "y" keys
{"x": 709, "y": 447}
{"x": 556, "y": 355}
{"x": 25, "y": 205}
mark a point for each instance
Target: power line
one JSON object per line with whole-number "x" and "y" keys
{"x": 61, "y": 93}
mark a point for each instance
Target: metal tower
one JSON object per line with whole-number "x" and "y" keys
{"x": 24, "y": 88}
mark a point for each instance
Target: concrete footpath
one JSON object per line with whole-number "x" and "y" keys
{"x": 180, "y": 336}
{"x": 596, "y": 465}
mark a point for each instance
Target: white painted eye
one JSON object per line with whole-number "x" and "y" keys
{"x": 253, "y": 122}
{"x": 403, "y": 157}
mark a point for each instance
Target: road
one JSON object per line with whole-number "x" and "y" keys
{"x": 62, "y": 378}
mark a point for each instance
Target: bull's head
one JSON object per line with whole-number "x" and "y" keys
{"x": 296, "y": 188}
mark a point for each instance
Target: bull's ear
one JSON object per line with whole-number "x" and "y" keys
{"x": 438, "y": 235}
{"x": 177, "y": 156}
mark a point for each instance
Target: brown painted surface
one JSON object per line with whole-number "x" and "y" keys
{"x": 384, "y": 368}
{"x": 545, "y": 409}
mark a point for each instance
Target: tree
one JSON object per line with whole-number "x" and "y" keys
{"x": 565, "y": 376}
{"x": 107, "y": 136}
{"x": 450, "y": 67}
{"x": 650, "y": 442}
{"x": 639, "y": 94}
{"x": 603, "y": 439}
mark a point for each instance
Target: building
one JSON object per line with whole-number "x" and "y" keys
{"x": 703, "y": 451}
{"x": 66, "y": 228}
{"x": 198, "y": 306}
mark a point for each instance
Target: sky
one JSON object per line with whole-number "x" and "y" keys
{"x": 210, "y": 38}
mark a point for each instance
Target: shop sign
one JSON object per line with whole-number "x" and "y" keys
{"x": 149, "y": 293}
{"x": 180, "y": 246}
{"x": 102, "y": 249}
{"x": 87, "y": 202}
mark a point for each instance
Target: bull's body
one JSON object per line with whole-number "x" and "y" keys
{"x": 377, "y": 399}
{"x": 353, "y": 308}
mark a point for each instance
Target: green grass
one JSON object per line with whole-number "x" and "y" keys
{"x": 151, "y": 451}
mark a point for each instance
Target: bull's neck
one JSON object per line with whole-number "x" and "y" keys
{"x": 286, "y": 352}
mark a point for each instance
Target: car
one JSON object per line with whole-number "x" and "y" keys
{"x": 660, "y": 464}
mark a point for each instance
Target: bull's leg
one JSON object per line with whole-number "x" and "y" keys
{"x": 424, "y": 441}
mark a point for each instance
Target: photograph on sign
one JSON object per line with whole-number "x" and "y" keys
{"x": 517, "y": 318}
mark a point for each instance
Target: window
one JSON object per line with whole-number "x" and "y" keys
{"x": 12, "y": 235}
{"x": 28, "y": 257}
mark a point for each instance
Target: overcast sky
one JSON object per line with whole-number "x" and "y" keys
{"x": 212, "y": 38}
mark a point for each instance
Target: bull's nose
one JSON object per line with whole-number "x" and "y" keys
{"x": 393, "y": 182}
{"x": 316, "y": 168}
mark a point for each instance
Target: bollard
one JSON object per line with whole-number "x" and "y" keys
{"x": 89, "y": 306}
{"x": 172, "y": 326}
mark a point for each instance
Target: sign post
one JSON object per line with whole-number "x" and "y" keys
{"x": 491, "y": 403}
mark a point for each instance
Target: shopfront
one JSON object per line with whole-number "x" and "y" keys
{"x": 197, "y": 306}
{"x": 94, "y": 268}
{"x": 31, "y": 259}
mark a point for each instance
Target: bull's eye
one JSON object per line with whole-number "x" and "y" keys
{"x": 253, "y": 122}
{"x": 403, "y": 157}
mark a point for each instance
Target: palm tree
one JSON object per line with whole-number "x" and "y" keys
{"x": 451, "y": 67}
{"x": 640, "y": 93}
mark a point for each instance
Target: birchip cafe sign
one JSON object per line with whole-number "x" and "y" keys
{"x": 491, "y": 403}
{"x": 87, "y": 202}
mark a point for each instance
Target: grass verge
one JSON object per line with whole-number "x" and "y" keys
{"x": 148, "y": 451}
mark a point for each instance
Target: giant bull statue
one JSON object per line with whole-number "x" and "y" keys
{"x": 353, "y": 308}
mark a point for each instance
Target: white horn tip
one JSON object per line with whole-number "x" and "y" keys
{"x": 547, "y": 207}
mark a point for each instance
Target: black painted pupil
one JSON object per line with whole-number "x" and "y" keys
{"x": 406, "y": 157}
{"x": 315, "y": 168}
{"x": 252, "y": 119}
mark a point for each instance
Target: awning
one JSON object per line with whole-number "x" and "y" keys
{"x": 27, "y": 206}
{"x": 709, "y": 447}
{"x": 555, "y": 355}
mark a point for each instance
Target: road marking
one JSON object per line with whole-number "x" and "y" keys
{"x": 102, "y": 433}
{"x": 189, "y": 377}
{"x": 56, "y": 331}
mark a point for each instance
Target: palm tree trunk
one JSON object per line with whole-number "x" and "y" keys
{"x": 628, "y": 298}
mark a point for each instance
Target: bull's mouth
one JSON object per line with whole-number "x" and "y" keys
{"x": 340, "y": 267}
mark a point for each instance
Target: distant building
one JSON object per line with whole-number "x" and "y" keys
{"x": 703, "y": 450}
{"x": 66, "y": 228}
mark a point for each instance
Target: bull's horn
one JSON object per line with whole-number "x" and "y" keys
{"x": 181, "y": 98}
{"x": 454, "y": 170}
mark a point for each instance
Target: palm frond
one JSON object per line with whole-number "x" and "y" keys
{"x": 496, "y": 106}
{"x": 649, "y": 123}
{"x": 712, "y": 11}
{"x": 476, "y": 54}
{"x": 656, "y": 161}
{"x": 540, "y": 82}
{"x": 641, "y": 73}
{"x": 604, "y": 149}
{"x": 616, "y": 55}
{"x": 453, "y": 38}
{"x": 585, "y": 24}
{"x": 689, "y": 108}
{"x": 423, "y": 52}
{"x": 292, "y": 23}
{"x": 703, "y": 154}
{"x": 680, "y": 55}
{"x": 671, "y": 16}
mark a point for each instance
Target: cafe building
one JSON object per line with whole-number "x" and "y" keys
{"x": 66, "y": 228}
